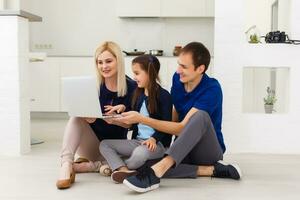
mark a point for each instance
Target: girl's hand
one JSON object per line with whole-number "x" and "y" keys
{"x": 114, "y": 109}
{"x": 89, "y": 120}
{"x": 131, "y": 117}
{"x": 150, "y": 143}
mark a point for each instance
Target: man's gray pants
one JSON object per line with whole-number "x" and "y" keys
{"x": 197, "y": 144}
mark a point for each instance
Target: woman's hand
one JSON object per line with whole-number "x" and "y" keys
{"x": 109, "y": 110}
{"x": 150, "y": 143}
{"x": 89, "y": 120}
{"x": 131, "y": 117}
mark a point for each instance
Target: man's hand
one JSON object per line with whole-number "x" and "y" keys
{"x": 89, "y": 120}
{"x": 116, "y": 122}
{"x": 109, "y": 110}
{"x": 131, "y": 117}
{"x": 150, "y": 143}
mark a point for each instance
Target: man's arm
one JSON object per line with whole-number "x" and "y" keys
{"x": 173, "y": 128}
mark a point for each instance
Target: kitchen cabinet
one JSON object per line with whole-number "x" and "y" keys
{"x": 128, "y": 70}
{"x": 44, "y": 86}
{"x": 209, "y": 8}
{"x": 138, "y": 8}
{"x": 165, "y": 8}
{"x": 76, "y": 66}
{"x": 45, "y": 78}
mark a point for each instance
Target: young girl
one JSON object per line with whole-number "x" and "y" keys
{"x": 149, "y": 99}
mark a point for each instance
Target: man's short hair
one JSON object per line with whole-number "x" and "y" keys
{"x": 199, "y": 52}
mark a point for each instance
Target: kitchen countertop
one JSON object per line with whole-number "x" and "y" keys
{"x": 21, "y": 13}
{"x": 87, "y": 56}
{"x": 79, "y": 56}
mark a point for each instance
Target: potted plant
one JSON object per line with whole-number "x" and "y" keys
{"x": 254, "y": 39}
{"x": 253, "y": 35}
{"x": 270, "y": 100}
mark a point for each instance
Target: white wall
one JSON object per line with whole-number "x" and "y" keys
{"x": 77, "y": 27}
{"x": 284, "y": 17}
{"x": 244, "y": 132}
{"x": 258, "y": 13}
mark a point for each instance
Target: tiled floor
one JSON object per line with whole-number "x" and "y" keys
{"x": 33, "y": 176}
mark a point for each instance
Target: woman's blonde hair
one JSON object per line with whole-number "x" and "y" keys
{"x": 115, "y": 50}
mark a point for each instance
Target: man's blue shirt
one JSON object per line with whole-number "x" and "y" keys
{"x": 206, "y": 96}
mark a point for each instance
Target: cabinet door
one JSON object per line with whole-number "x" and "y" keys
{"x": 186, "y": 8}
{"x": 209, "y": 8}
{"x": 44, "y": 85}
{"x": 128, "y": 70}
{"x": 171, "y": 69}
{"x": 138, "y": 8}
{"x": 83, "y": 66}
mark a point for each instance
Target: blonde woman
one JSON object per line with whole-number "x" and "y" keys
{"x": 83, "y": 135}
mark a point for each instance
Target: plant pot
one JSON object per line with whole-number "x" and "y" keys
{"x": 269, "y": 108}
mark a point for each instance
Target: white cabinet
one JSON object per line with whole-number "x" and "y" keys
{"x": 138, "y": 8}
{"x": 76, "y": 66}
{"x": 179, "y": 8}
{"x": 45, "y": 78}
{"x": 209, "y": 8}
{"x": 165, "y": 8}
{"x": 128, "y": 70}
{"x": 44, "y": 85}
{"x": 168, "y": 67}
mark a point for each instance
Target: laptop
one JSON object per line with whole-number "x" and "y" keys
{"x": 81, "y": 96}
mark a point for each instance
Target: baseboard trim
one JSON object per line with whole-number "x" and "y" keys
{"x": 49, "y": 115}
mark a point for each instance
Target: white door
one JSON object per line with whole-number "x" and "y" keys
{"x": 76, "y": 66}
{"x": 44, "y": 86}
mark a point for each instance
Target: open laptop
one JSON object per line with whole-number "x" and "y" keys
{"x": 81, "y": 97}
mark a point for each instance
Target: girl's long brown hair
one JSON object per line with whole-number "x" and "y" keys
{"x": 150, "y": 64}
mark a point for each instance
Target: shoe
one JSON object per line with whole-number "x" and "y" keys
{"x": 144, "y": 181}
{"x": 66, "y": 171}
{"x": 227, "y": 171}
{"x": 105, "y": 170}
{"x": 119, "y": 176}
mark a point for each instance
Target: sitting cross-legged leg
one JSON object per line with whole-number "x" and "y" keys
{"x": 198, "y": 141}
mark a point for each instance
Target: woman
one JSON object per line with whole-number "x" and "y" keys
{"x": 83, "y": 135}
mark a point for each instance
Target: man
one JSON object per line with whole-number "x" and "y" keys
{"x": 196, "y": 121}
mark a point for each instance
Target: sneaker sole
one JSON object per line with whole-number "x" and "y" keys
{"x": 140, "y": 190}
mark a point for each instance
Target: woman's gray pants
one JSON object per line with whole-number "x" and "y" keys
{"x": 197, "y": 144}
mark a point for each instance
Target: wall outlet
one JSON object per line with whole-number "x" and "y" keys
{"x": 43, "y": 46}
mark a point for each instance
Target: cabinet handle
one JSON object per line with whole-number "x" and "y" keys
{"x": 32, "y": 99}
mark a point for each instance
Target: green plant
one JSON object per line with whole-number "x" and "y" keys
{"x": 270, "y": 99}
{"x": 254, "y": 39}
